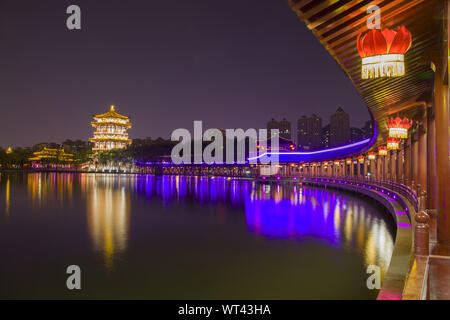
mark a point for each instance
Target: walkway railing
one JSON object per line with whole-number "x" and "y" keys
{"x": 398, "y": 188}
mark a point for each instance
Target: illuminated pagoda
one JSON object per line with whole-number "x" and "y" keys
{"x": 111, "y": 131}
{"x": 53, "y": 157}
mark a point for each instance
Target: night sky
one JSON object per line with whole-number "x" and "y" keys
{"x": 232, "y": 64}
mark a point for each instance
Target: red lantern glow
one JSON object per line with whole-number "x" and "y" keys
{"x": 393, "y": 144}
{"x": 398, "y": 128}
{"x": 382, "y": 151}
{"x": 383, "y": 52}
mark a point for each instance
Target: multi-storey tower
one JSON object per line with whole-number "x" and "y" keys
{"x": 111, "y": 131}
{"x": 339, "y": 128}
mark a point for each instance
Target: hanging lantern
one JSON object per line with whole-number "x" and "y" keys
{"x": 336, "y": 163}
{"x": 372, "y": 156}
{"x": 393, "y": 143}
{"x": 383, "y": 52}
{"x": 348, "y": 161}
{"x": 361, "y": 159}
{"x": 382, "y": 151}
{"x": 398, "y": 128}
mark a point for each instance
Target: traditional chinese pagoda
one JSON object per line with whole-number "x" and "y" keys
{"x": 51, "y": 158}
{"x": 111, "y": 131}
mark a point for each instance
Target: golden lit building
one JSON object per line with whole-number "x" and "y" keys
{"x": 51, "y": 155}
{"x": 51, "y": 159}
{"x": 111, "y": 131}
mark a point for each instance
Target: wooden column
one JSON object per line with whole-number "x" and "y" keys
{"x": 373, "y": 170}
{"x": 387, "y": 169}
{"x": 407, "y": 163}
{"x": 431, "y": 159}
{"x": 400, "y": 166}
{"x": 442, "y": 156}
{"x": 365, "y": 168}
{"x": 415, "y": 161}
{"x": 422, "y": 179}
{"x": 393, "y": 164}
{"x": 379, "y": 168}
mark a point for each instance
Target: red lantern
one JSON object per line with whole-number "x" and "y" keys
{"x": 383, "y": 52}
{"x": 382, "y": 151}
{"x": 393, "y": 144}
{"x": 398, "y": 128}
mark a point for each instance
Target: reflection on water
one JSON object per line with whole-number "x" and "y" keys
{"x": 108, "y": 214}
{"x": 300, "y": 217}
{"x": 41, "y": 187}
{"x": 191, "y": 237}
{"x": 7, "y": 195}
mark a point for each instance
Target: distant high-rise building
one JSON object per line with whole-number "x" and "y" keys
{"x": 368, "y": 129}
{"x": 326, "y": 136}
{"x": 302, "y": 132}
{"x": 315, "y": 131}
{"x": 339, "y": 128}
{"x": 283, "y": 126}
{"x": 285, "y": 129}
{"x": 309, "y": 132}
{"x": 356, "y": 134}
{"x": 272, "y": 125}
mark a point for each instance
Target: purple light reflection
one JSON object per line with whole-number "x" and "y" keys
{"x": 403, "y": 225}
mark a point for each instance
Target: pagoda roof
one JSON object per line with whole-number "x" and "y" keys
{"x": 111, "y": 114}
{"x": 51, "y": 153}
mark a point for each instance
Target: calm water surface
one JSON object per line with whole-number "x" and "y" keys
{"x": 148, "y": 237}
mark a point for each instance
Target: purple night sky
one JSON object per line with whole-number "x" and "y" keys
{"x": 232, "y": 64}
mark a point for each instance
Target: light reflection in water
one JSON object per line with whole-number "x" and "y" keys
{"x": 7, "y": 197}
{"x": 274, "y": 211}
{"x": 350, "y": 225}
{"x": 45, "y": 186}
{"x": 108, "y": 214}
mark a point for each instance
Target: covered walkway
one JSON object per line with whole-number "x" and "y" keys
{"x": 419, "y": 161}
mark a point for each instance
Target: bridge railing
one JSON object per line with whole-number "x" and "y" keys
{"x": 398, "y": 188}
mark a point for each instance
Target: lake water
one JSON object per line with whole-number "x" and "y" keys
{"x": 170, "y": 237}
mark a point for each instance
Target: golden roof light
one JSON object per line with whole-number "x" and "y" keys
{"x": 111, "y": 130}
{"x": 52, "y": 154}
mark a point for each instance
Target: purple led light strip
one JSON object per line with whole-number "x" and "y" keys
{"x": 314, "y": 152}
